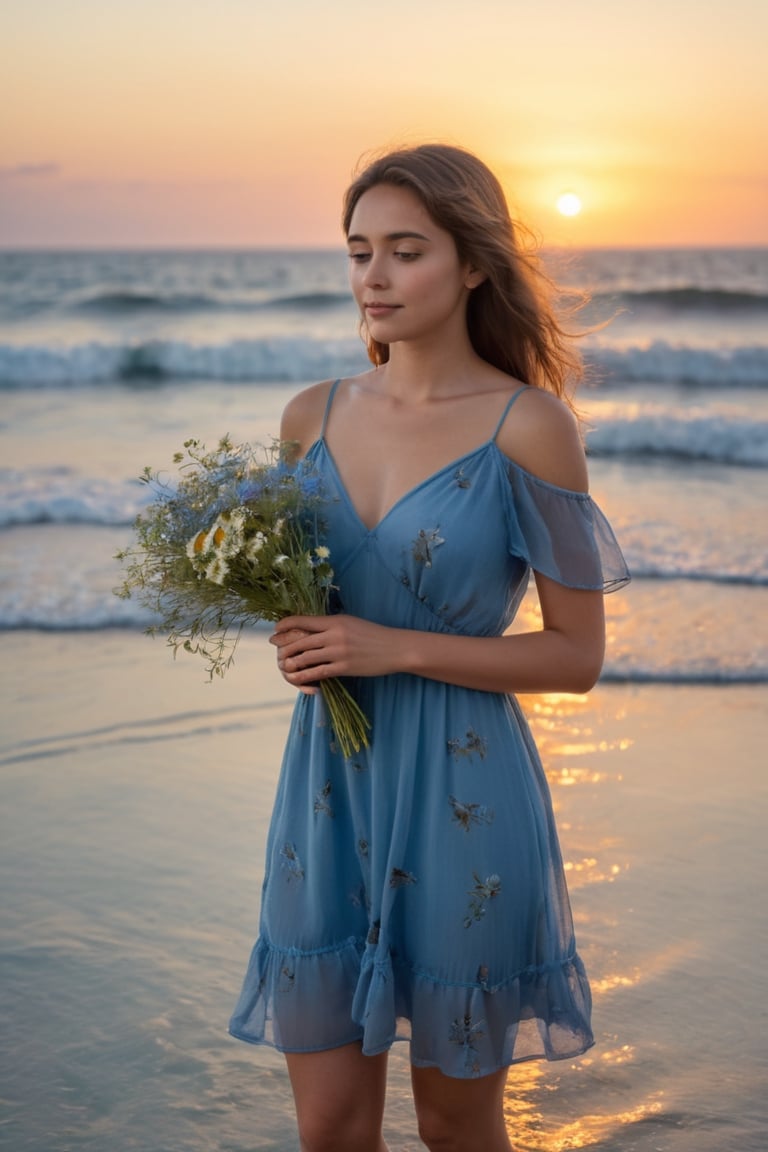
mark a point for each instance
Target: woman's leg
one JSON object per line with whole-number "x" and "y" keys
{"x": 460, "y": 1115}
{"x": 339, "y": 1098}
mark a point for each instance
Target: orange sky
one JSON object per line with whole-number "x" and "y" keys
{"x": 238, "y": 122}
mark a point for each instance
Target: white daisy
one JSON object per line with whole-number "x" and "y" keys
{"x": 197, "y": 545}
{"x": 255, "y": 545}
{"x": 217, "y": 570}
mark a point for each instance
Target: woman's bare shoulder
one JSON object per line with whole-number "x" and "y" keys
{"x": 542, "y": 435}
{"x": 302, "y": 419}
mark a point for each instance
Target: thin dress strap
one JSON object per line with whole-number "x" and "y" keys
{"x": 329, "y": 401}
{"x": 507, "y": 407}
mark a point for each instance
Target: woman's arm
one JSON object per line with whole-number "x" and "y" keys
{"x": 564, "y": 656}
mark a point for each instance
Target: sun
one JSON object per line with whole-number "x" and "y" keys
{"x": 568, "y": 204}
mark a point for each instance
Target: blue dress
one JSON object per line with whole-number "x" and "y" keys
{"x": 416, "y": 891}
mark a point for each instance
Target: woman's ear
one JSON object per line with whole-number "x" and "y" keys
{"x": 474, "y": 278}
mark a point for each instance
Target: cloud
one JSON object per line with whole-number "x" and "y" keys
{"x": 45, "y": 171}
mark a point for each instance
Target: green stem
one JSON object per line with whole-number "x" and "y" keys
{"x": 349, "y": 722}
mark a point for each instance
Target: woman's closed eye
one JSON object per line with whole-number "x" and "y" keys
{"x": 403, "y": 257}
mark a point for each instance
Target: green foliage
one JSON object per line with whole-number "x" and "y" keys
{"x": 235, "y": 540}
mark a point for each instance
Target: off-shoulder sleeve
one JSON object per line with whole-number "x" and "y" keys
{"x": 562, "y": 534}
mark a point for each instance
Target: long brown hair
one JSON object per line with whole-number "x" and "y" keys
{"x": 511, "y": 316}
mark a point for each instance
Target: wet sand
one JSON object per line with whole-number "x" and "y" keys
{"x": 135, "y": 803}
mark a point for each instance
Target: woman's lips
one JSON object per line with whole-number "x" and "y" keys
{"x": 378, "y": 310}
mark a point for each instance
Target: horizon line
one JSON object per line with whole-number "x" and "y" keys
{"x": 151, "y": 249}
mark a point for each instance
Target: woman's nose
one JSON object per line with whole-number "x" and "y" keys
{"x": 375, "y": 274}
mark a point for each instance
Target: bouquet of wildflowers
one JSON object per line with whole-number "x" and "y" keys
{"x": 235, "y": 540}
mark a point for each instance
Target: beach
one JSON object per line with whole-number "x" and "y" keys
{"x": 135, "y": 796}
{"x": 135, "y": 799}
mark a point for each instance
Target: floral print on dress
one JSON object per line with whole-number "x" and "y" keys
{"x": 291, "y": 862}
{"x": 425, "y": 544}
{"x": 482, "y": 977}
{"x": 466, "y": 1033}
{"x": 399, "y": 878}
{"x": 471, "y": 745}
{"x": 462, "y": 481}
{"x": 286, "y": 980}
{"x": 479, "y": 896}
{"x": 466, "y": 815}
{"x": 321, "y": 799}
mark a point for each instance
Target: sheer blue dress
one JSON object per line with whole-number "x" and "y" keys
{"x": 416, "y": 890}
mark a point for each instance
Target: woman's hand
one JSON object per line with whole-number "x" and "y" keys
{"x": 312, "y": 648}
{"x": 564, "y": 656}
{"x": 281, "y": 640}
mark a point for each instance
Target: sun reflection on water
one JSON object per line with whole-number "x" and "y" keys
{"x": 575, "y": 757}
{"x": 615, "y": 980}
{"x": 590, "y": 871}
{"x": 563, "y": 733}
{"x": 543, "y": 1107}
{"x": 529, "y": 1129}
{"x": 580, "y": 748}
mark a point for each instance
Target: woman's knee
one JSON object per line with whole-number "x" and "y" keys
{"x": 460, "y": 1115}
{"x": 439, "y": 1132}
{"x": 339, "y": 1098}
{"x": 327, "y": 1133}
{"x": 444, "y": 1133}
{"x": 433, "y": 1136}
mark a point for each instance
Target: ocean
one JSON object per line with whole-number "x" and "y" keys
{"x": 131, "y": 862}
{"x": 109, "y": 361}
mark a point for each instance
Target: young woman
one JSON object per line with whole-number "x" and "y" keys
{"x": 416, "y": 890}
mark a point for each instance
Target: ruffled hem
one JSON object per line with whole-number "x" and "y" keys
{"x": 313, "y": 1001}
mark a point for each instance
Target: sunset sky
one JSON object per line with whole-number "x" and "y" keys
{"x": 238, "y": 122}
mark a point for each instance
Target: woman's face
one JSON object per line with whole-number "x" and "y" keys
{"x": 405, "y": 272}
